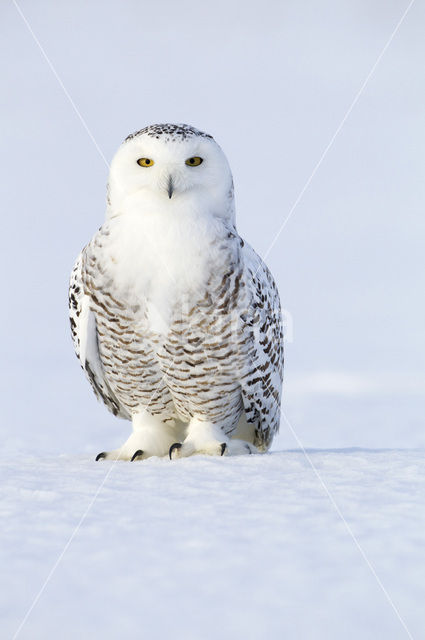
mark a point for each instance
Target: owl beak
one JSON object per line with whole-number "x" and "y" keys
{"x": 170, "y": 186}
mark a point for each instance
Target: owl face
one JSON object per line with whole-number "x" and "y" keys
{"x": 170, "y": 166}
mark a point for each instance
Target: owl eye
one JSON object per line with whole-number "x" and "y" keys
{"x": 145, "y": 162}
{"x": 194, "y": 162}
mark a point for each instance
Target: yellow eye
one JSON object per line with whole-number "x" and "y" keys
{"x": 145, "y": 162}
{"x": 194, "y": 162}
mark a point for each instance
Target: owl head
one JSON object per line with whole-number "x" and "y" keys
{"x": 170, "y": 165}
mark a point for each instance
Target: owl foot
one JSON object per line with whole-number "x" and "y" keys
{"x": 234, "y": 447}
{"x": 179, "y": 450}
{"x": 150, "y": 437}
{"x": 239, "y": 447}
{"x": 118, "y": 454}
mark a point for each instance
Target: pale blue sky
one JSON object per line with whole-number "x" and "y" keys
{"x": 271, "y": 81}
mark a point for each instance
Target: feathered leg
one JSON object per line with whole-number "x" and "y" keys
{"x": 151, "y": 437}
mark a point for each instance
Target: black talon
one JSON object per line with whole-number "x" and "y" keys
{"x": 249, "y": 449}
{"x": 223, "y": 448}
{"x": 100, "y": 456}
{"x": 176, "y": 445}
{"x": 138, "y": 453}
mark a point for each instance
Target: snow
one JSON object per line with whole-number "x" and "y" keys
{"x": 246, "y": 547}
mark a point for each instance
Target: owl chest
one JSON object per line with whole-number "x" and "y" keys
{"x": 159, "y": 259}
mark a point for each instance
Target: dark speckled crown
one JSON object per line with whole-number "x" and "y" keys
{"x": 169, "y": 132}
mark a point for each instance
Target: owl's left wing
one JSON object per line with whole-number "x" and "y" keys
{"x": 262, "y": 383}
{"x": 85, "y": 339}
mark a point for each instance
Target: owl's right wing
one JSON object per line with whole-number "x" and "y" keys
{"x": 262, "y": 384}
{"x": 85, "y": 339}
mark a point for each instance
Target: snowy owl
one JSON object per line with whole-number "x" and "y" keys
{"x": 175, "y": 319}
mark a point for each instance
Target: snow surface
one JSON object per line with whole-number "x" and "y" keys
{"x": 248, "y": 547}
